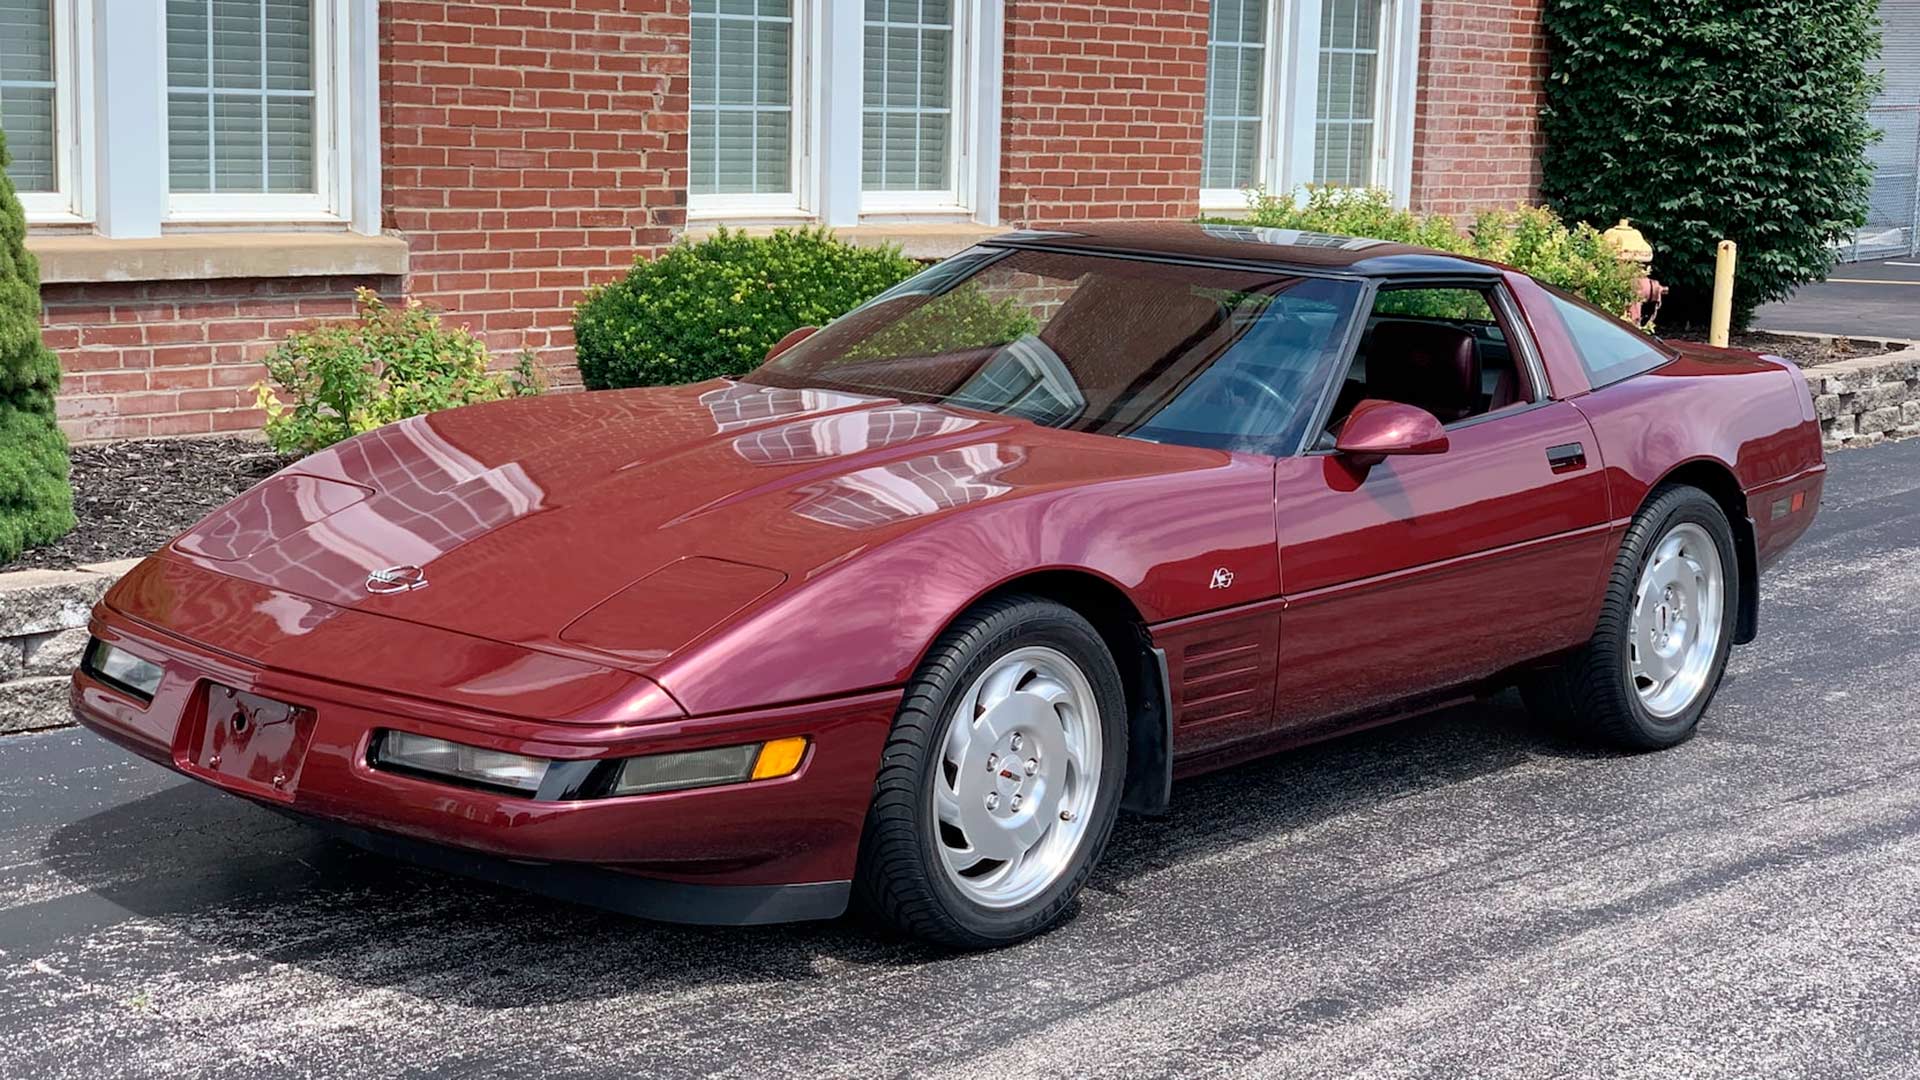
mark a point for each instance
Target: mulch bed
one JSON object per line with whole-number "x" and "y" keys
{"x": 1807, "y": 352}
{"x": 133, "y": 497}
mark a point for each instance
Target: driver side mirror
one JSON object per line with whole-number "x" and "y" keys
{"x": 1376, "y": 430}
{"x": 794, "y": 337}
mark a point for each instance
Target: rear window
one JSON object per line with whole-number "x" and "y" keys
{"x": 1607, "y": 348}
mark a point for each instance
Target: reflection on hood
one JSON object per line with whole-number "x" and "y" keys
{"x": 846, "y": 433}
{"x": 913, "y": 488}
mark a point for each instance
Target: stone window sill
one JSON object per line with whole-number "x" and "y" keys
{"x": 66, "y": 259}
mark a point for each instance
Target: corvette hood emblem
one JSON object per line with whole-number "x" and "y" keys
{"x": 396, "y": 579}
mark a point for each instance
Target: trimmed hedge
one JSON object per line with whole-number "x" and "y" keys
{"x": 715, "y": 307}
{"x": 1705, "y": 120}
{"x": 36, "y": 505}
{"x": 1532, "y": 240}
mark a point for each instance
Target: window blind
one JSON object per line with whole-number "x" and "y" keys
{"x": 27, "y": 93}
{"x": 1347, "y": 119}
{"x": 907, "y": 118}
{"x": 1236, "y": 63}
{"x": 740, "y": 139}
{"x": 241, "y": 98}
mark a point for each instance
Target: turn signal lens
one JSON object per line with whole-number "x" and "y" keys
{"x": 779, "y": 758}
{"x": 124, "y": 669}
{"x": 709, "y": 768}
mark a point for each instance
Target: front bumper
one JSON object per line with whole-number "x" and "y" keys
{"x": 762, "y": 851}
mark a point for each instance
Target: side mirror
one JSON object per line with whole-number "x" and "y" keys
{"x": 1376, "y": 430}
{"x": 794, "y": 337}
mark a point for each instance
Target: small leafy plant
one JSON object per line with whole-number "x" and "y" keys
{"x": 1530, "y": 239}
{"x": 340, "y": 379}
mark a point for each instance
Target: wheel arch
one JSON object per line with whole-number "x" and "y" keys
{"x": 1143, "y": 674}
{"x": 1716, "y": 479}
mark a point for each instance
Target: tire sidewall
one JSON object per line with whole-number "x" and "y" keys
{"x": 1687, "y": 505}
{"x": 1058, "y": 628}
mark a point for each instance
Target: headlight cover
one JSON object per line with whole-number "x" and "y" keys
{"x": 118, "y": 667}
{"x": 458, "y": 761}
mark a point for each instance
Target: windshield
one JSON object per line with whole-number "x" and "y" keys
{"x": 1230, "y": 359}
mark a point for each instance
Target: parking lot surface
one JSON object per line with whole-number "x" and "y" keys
{"x": 1462, "y": 894}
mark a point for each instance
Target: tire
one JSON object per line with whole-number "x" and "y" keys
{"x": 1609, "y": 690}
{"x": 914, "y": 859}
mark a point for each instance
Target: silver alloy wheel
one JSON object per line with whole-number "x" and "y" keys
{"x": 1018, "y": 773}
{"x": 1677, "y": 609}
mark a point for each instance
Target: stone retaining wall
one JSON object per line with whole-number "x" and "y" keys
{"x": 1860, "y": 402}
{"x": 43, "y": 628}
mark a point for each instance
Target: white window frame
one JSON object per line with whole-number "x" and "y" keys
{"x": 332, "y": 160}
{"x": 828, "y": 95}
{"x": 779, "y": 205}
{"x": 71, "y": 202}
{"x": 1291, "y": 94}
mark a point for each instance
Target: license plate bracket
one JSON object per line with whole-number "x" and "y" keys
{"x": 251, "y": 742}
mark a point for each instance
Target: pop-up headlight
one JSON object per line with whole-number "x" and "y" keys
{"x": 458, "y": 761}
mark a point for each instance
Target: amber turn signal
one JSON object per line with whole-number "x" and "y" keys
{"x": 779, "y": 757}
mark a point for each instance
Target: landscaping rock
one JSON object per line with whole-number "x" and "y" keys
{"x": 44, "y": 601}
{"x": 57, "y": 653}
{"x": 33, "y": 704}
{"x": 10, "y": 661}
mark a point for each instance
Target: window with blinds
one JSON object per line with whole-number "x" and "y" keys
{"x": 27, "y": 96}
{"x": 241, "y": 97}
{"x": 1347, "y": 119}
{"x": 740, "y": 140}
{"x": 908, "y": 111}
{"x": 1236, "y": 66}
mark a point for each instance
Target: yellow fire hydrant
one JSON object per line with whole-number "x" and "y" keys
{"x": 1630, "y": 245}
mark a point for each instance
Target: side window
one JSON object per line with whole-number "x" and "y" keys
{"x": 1607, "y": 348}
{"x": 1444, "y": 349}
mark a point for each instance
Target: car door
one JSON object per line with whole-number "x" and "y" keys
{"x": 1423, "y": 573}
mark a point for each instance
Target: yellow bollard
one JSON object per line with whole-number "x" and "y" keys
{"x": 1721, "y": 327}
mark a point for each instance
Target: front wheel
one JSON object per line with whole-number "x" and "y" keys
{"x": 1001, "y": 780}
{"x": 1666, "y": 628}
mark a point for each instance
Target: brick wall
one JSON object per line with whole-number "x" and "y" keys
{"x": 1476, "y": 137}
{"x": 177, "y": 357}
{"x": 1102, "y": 107}
{"x": 532, "y": 148}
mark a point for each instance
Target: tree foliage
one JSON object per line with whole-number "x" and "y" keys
{"x": 1705, "y": 120}
{"x": 36, "y": 505}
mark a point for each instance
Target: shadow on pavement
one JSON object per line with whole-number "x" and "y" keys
{"x": 231, "y": 878}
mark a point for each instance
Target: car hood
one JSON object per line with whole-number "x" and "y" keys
{"x": 629, "y": 523}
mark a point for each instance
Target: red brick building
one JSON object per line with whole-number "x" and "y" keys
{"x": 192, "y": 202}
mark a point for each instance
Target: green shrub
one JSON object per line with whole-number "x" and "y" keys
{"x": 714, "y": 307}
{"x": 344, "y": 378}
{"x": 1705, "y": 120}
{"x": 966, "y": 318}
{"x": 36, "y": 505}
{"x": 1532, "y": 240}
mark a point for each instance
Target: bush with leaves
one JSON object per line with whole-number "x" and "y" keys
{"x": 1705, "y": 120}
{"x": 715, "y": 307}
{"x": 36, "y": 505}
{"x": 1532, "y": 240}
{"x": 340, "y": 379}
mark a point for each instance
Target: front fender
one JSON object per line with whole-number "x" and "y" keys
{"x": 866, "y": 621}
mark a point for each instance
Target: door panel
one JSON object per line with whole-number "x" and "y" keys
{"x": 1431, "y": 572}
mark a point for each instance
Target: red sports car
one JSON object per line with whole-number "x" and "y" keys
{"x": 913, "y": 611}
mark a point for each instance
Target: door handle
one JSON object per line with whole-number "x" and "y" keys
{"x": 1567, "y": 457}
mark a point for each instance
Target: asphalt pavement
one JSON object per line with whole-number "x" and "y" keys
{"x": 1464, "y": 894}
{"x": 1863, "y": 300}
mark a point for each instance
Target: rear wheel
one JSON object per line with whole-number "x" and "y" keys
{"x": 1666, "y": 628}
{"x": 1001, "y": 780}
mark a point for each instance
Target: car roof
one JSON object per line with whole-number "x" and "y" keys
{"x": 1251, "y": 245}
